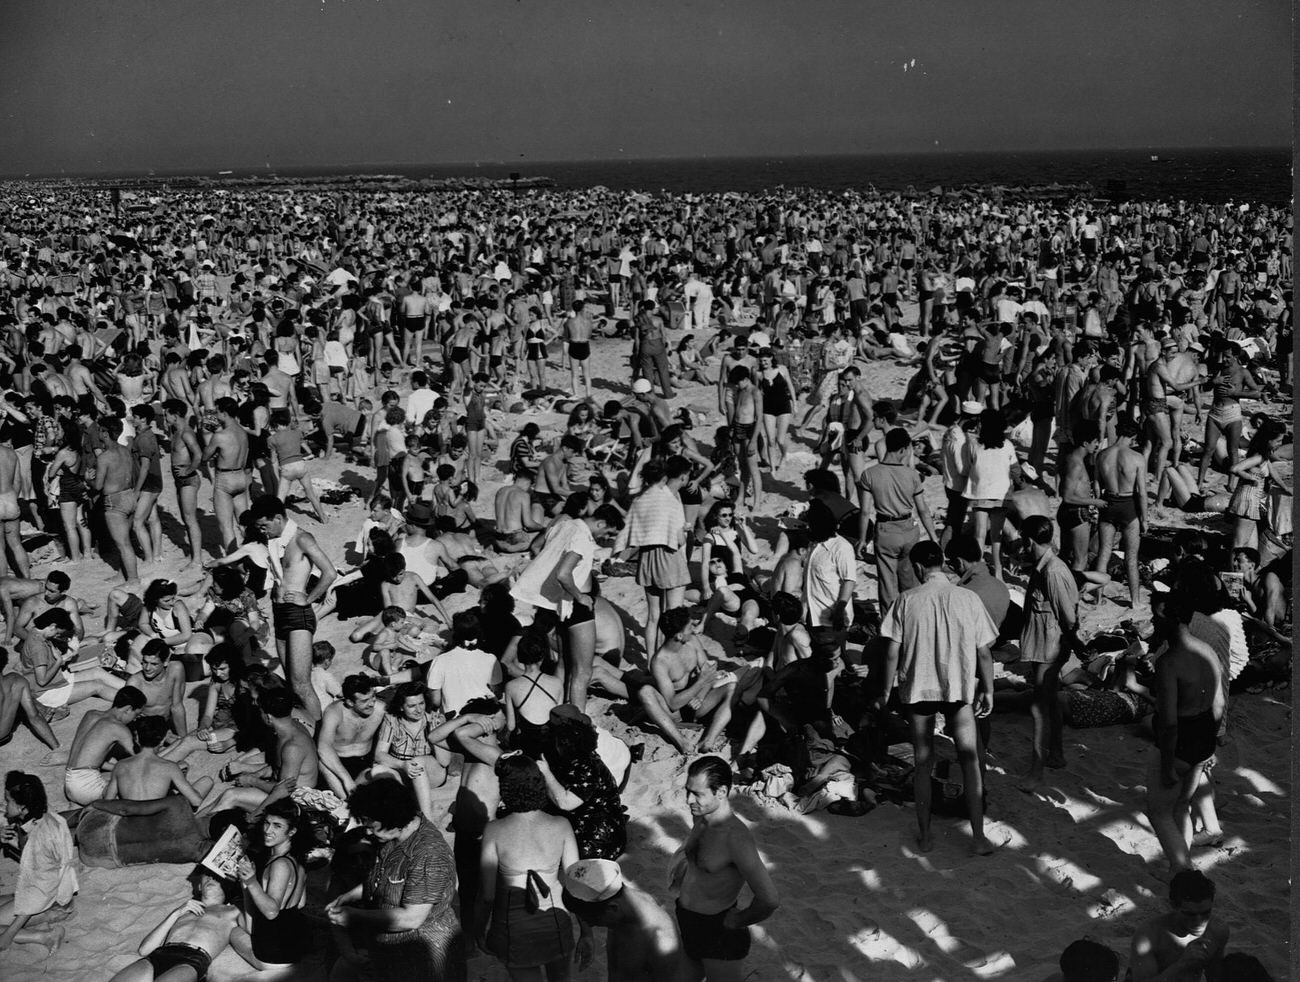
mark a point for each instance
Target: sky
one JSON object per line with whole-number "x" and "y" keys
{"x": 202, "y": 85}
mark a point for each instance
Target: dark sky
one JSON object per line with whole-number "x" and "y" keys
{"x": 88, "y": 85}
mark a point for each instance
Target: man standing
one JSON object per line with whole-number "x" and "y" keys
{"x": 1121, "y": 474}
{"x": 939, "y": 652}
{"x": 228, "y": 451}
{"x": 148, "y": 484}
{"x": 718, "y": 859}
{"x": 830, "y": 576}
{"x": 185, "y": 457}
{"x": 47, "y": 866}
{"x": 650, "y": 351}
{"x": 898, "y": 495}
{"x": 115, "y": 481}
{"x": 577, "y": 339}
{"x": 293, "y": 555}
{"x": 1078, "y": 497}
{"x": 1051, "y": 618}
{"x": 859, "y": 417}
{"x": 1190, "y": 702}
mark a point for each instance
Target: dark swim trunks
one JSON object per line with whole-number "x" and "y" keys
{"x": 1120, "y": 511}
{"x": 705, "y": 939}
{"x": 356, "y": 766}
{"x": 191, "y": 481}
{"x": 1198, "y": 737}
{"x": 579, "y": 350}
{"x": 292, "y": 617}
{"x": 1072, "y": 516}
{"x": 166, "y": 957}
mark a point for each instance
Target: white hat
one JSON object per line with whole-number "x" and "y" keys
{"x": 593, "y": 881}
{"x": 971, "y": 407}
{"x": 760, "y": 339}
{"x": 641, "y": 386}
{"x": 1030, "y": 471}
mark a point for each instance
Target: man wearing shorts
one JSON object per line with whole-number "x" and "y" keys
{"x": 513, "y": 505}
{"x": 227, "y": 451}
{"x": 718, "y": 859}
{"x": 293, "y": 555}
{"x": 98, "y": 734}
{"x": 1124, "y": 516}
{"x": 185, "y": 457}
{"x": 148, "y": 484}
{"x": 940, "y": 637}
{"x": 346, "y": 741}
{"x": 577, "y": 337}
{"x": 115, "y": 481}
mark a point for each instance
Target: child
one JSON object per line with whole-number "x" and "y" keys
{"x": 382, "y": 516}
{"x": 389, "y": 652}
{"x": 326, "y": 685}
{"x": 446, "y": 493}
{"x": 414, "y": 468}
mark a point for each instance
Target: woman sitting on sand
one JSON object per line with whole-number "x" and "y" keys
{"x": 581, "y": 786}
{"x": 519, "y": 916}
{"x": 530, "y": 697}
{"x": 403, "y": 748}
{"x": 275, "y": 932}
{"x": 690, "y": 366}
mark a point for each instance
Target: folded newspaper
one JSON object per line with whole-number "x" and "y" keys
{"x": 223, "y": 858}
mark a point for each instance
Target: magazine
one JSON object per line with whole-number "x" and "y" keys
{"x": 223, "y": 858}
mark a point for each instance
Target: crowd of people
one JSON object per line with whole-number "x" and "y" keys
{"x": 1057, "y": 355}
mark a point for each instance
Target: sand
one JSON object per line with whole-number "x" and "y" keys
{"x": 858, "y": 901}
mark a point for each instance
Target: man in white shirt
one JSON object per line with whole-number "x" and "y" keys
{"x": 830, "y": 577}
{"x": 421, "y": 399}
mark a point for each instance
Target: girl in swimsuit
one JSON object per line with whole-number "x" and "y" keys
{"x": 530, "y": 697}
{"x": 536, "y": 338}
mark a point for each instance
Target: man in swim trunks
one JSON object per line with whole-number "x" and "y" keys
{"x": 1190, "y": 702}
{"x": 346, "y": 741}
{"x": 517, "y": 521}
{"x": 15, "y": 694}
{"x": 9, "y": 514}
{"x": 1160, "y": 387}
{"x": 1077, "y": 498}
{"x": 294, "y": 553}
{"x": 185, "y": 456}
{"x": 190, "y": 937}
{"x": 146, "y": 776}
{"x": 577, "y": 336}
{"x": 746, "y": 411}
{"x": 641, "y": 944}
{"x": 227, "y": 450}
{"x": 553, "y": 488}
{"x": 99, "y": 733}
{"x": 1121, "y": 475}
{"x": 115, "y": 480}
{"x": 718, "y": 859}
{"x": 148, "y": 484}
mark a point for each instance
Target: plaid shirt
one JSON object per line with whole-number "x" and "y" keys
{"x": 47, "y": 436}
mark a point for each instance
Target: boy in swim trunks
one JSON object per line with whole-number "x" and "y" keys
{"x": 191, "y": 936}
{"x": 746, "y": 411}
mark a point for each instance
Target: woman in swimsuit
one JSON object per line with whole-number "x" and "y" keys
{"x": 1232, "y": 382}
{"x": 530, "y": 697}
{"x": 64, "y": 483}
{"x": 518, "y": 916}
{"x": 778, "y": 404}
{"x": 163, "y": 617}
{"x": 275, "y": 931}
{"x": 536, "y": 338}
{"x": 1256, "y": 473}
{"x": 132, "y": 383}
{"x": 402, "y": 746}
{"x": 690, "y": 366}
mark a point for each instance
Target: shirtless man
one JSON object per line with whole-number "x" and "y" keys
{"x": 415, "y": 309}
{"x": 187, "y": 940}
{"x": 16, "y": 694}
{"x": 53, "y": 594}
{"x": 577, "y": 336}
{"x": 83, "y": 381}
{"x": 1160, "y": 387}
{"x": 294, "y": 553}
{"x": 163, "y": 683}
{"x": 859, "y": 415}
{"x": 743, "y": 421}
{"x": 641, "y": 944}
{"x": 9, "y": 514}
{"x": 284, "y": 398}
{"x": 1185, "y": 943}
{"x": 185, "y": 456}
{"x": 175, "y": 381}
{"x": 405, "y": 588}
{"x": 1190, "y": 702}
{"x": 737, "y": 357}
{"x": 655, "y": 407}
{"x": 295, "y": 764}
{"x": 718, "y": 859}
{"x": 1023, "y": 500}
{"x": 1121, "y": 474}
{"x": 115, "y": 480}
{"x": 517, "y": 520}
{"x": 148, "y": 484}
{"x": 227, "y": 449}
{"x": 553, "y": 476}
{"x": 216, "y": 386}
{"x": 1077, "y": 497}
{"x": 148, "y": 777}
{"x": 684, "y": 682}
{"x": 346, "y": 741}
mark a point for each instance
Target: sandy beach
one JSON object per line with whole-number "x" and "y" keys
{"x": 858, "y": 901}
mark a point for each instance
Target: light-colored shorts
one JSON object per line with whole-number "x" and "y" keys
{"x": 82, "y": 785}
{"x": 56, "y": 697}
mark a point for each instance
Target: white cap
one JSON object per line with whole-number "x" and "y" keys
{"x": 759, "y": 339}
{"x": 593, "y": 881}
{"x": 641, "y": 386}
{"x": 972, "y": 407}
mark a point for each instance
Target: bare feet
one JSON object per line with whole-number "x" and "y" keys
{"x": 56, "y": 936}
{"x": 924, "y": 843}
{"x": 1207, "y": 839}
{"x": 983, "y": 846}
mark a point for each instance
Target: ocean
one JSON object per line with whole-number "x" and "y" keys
{"x": 1257, "y": 175}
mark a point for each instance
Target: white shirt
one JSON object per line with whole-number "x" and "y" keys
{"x": 419, "y": 403}
{"x": 462, "y": 674}
{"x": 829, "y": 564}
{"x": 537, "y": 585}
{"x": 275, "y": 549}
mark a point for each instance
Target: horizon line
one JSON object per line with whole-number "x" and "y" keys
{"x": 323, "y": 168}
